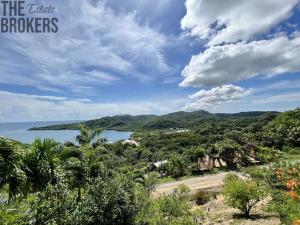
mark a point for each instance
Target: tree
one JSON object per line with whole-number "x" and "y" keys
{"x": 148, "y": 181}
{"x": 40, "y": 164}
{"x": 172, "y": 209}
{"x": 77, "y": 166}
{"x": 285, "y": 191}
{"x": 74, "y": 164}
{"x": 177, "y": 166}
{"x": 265, "y": 154}
{"x": 87, "y": 135}
{"x": 242, "y": 194}
{"x": 194, "y": 153}
{"x": 11, "y": 173}
{"x": 284, "y": 129}
{"x": 229, "y": 151}
{"x": 108, "y": 201}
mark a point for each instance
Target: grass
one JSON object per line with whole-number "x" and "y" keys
{"x": 165, "y": 180}
{"x": 170, "y": 179}
{"x": 292, "y": 154}
{"x": 292, "y": 158}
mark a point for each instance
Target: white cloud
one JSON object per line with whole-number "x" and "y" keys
{"x": 281, "y": 85}
{"x": 293, "y": 97}
{"x": 94, "y": 46}
{"x": 207, "y": 99}
{"x": 228, "y": 21}
{"x": 24, "y": 107}
{"x": 232, "y": 62}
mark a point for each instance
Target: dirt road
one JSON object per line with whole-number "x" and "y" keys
{"x": 213, "y": 181}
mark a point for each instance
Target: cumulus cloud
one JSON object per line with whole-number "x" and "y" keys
{"x": 206, "y": 99}
{"x": 232, "y": 62}
{"x": 94, "y": 46}
{"x": 230, "y": 20}
{"x": 25, "y": 107}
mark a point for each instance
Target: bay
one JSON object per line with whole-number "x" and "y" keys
{"x": 19, "y": 131}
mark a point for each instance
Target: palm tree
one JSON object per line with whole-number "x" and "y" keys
{"x": 87, "y": 135}
{"x": 40, "y": 164}
{"x": 74, "y": 163}
{"x": 11, "y": 173}
{"x": 148, "y": 181}
{"x": 77, "y": 160}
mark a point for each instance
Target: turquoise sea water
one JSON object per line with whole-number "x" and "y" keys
{"x": 19, "y": 131}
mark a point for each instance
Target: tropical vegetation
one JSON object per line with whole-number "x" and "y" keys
{"x": 91, "y": 181}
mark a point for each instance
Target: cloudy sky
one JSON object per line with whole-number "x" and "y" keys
{"x": 153, "y": 57}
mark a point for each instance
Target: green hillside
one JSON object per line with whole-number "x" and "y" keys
{"x": 188, "y": 120}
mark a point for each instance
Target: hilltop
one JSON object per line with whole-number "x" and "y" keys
{"x": 178, "y": 119}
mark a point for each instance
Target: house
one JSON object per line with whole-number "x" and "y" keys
{"x": 131, "y": 142}
{"x": 156, "y": 165}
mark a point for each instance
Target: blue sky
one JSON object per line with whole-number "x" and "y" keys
{"x": 153, "y": 57}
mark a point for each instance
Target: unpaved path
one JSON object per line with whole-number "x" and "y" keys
{"x": 213, "y": 181}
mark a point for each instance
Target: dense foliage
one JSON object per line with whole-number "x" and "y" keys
{"x": 283, "y": 180}
{"x": 151, "y": 122}
{"x": 95, "y": 182}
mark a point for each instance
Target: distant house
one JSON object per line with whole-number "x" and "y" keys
{"x": 176, "y": 130}
{"x": 156, "y": 165}
{"x": 131, "y": 142}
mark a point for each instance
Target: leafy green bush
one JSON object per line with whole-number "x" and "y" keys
{"x": 178, "y": 167}
{"x": 172, "y": 209}
{"x": 266, "y": 154}
{"x": 284, "y": 129}
{"x": 11, "y": 214}
{"x": 261, "y": 174}
{"x": 242, "y": 194}
{"x": 287, "y": 207}
{"x": 229, "y": 151}
{"x": 106, "y": 202}
{"x": 201, "y": 197}
{"x": 12, "y": 177}
{"x": 285, "y": 191}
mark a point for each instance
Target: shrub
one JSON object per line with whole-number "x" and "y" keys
{"x": 229, "y": 151}
{"x": 201, "y": 197}
{"x": 286, "y": 206}
{"x": 178, "y": 166}
{"x": 266, "y": 154}
{"x": 242, "y": 194}
{"x": 260, "y": 174}
{"x": 172, "y": 209}
{"x": 285, "y": 183}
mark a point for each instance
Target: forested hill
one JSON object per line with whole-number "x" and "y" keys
{"x": 174, "y": 120}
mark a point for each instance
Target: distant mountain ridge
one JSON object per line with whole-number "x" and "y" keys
{"x": 178, "y": 119}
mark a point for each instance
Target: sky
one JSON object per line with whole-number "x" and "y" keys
{"x": 133, "y": 57}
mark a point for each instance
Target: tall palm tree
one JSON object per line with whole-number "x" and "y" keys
{"x": 40, "y": 164}
{"x": 11, "y": 173}
{"x": 74, "y": 164}
{"x": 77, "y": 160}
{"x": 87, "y": 135}
{"x": 149, "y": 181}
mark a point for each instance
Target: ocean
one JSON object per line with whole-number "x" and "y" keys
{"x": 19, "y": 131}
